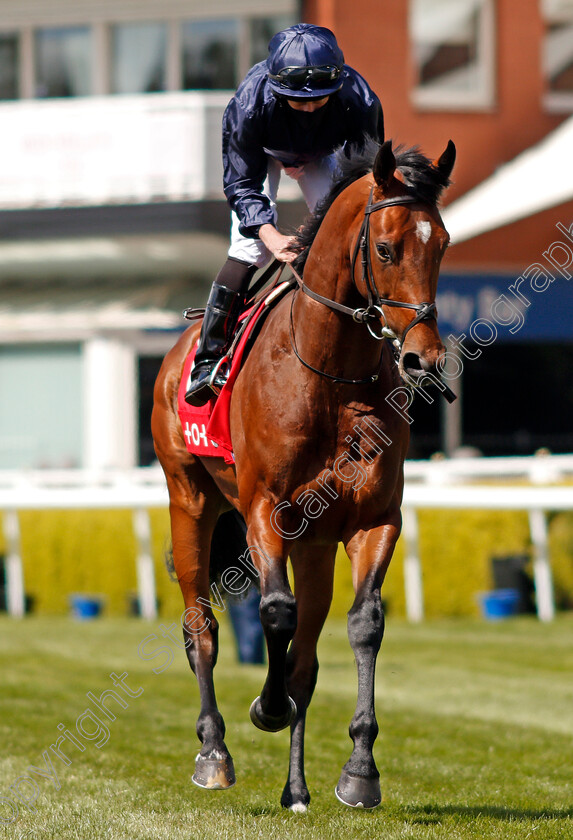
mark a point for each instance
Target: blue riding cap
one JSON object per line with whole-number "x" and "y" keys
{"x": 304, "y": 62}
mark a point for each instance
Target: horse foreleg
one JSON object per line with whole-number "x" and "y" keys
{"x": 313, "y": 576}
{"x": 370, "y": 553}
{"x": 192, "y": 523}
{"x": 274, "y": 709}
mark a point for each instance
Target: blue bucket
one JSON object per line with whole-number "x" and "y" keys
{"x": 85, "y": 607}
{"x": 499, "y": 604}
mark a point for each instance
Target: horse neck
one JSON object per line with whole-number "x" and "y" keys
{"x": 328, "y": 268}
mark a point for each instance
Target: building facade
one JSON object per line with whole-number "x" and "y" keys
{"x": 496, "y": 76}
{"x": 112, "y": 217}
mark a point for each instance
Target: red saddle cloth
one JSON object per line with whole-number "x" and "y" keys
{"x": 207, "y": 428}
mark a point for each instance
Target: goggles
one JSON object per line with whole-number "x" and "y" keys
{"x": 295, "y": 78}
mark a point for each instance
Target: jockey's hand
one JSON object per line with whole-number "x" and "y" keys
{"x": 280, "y": 246}
{"x": 294, "y": 172}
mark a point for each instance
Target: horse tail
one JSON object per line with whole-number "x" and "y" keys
{"x": 229, "y": 549}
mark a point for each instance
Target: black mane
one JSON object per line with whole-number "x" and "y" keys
{"x": 416, "y": 169}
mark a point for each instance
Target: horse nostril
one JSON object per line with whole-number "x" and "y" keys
{"x": 414, "y": 365}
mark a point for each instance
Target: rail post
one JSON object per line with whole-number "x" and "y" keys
{"x": 145, "y": 571}
{"x": 414, "y": 589}
{"x": 15, "y": 598}
{"x": 541, "y": 565}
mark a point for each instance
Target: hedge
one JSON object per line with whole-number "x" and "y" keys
{"x": 94, "y": 552}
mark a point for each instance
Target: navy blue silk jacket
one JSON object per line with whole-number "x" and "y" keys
{"x": 257, "y": 124}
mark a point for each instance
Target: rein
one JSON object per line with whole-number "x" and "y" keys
{"x": 368, "y": 380}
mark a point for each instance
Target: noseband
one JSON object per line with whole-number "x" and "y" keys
{"x": 374, "y": 313}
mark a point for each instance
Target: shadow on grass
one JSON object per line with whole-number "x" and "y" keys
{"x": 428, "y": 814}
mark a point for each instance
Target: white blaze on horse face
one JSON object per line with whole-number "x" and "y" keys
{"x": 424, "y": 231}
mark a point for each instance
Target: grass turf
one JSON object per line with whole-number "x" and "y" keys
{"x": 476, "y": 735}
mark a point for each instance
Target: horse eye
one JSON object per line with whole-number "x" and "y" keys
{"x": 384, "y": 252}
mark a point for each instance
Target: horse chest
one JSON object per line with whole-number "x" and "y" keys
{"x": 350, "y": 494}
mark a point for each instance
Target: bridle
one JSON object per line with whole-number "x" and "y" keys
{"x": 424, "y": 311}
{"x": 373, "y": 313}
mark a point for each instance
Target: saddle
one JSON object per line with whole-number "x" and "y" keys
{"x": 206, "y": 428}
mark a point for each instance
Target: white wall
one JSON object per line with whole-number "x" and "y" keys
{"x": 41, "y": 399}
{"x": 110, "y": 403}
{"x": 114, "y": 149}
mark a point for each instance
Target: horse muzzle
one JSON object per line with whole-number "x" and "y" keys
{"x": 421, "y": 370}
{"x": 415, "y": 367}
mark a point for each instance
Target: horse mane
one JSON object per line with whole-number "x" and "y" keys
{"x": 417, "y": 172}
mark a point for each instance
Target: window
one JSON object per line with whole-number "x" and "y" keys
{"x": 53, "y": 439}
{"x": 63, "y": 62}
{"x": 558, "y": 54}
{"x": 210, "y": 50}
{"x": 262, "y": 30}
{"x": 8, "y": 66}
{"x": 139, "y": 53}
{"x": 453, "y": 52}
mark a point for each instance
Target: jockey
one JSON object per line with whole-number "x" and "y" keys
{"x": 289, "y": 114}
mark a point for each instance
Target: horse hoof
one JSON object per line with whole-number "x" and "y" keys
{"x": 296, "y": 800}
{"x": 358, "y": 791}
{"x": 269, "y": 723}
{"x": 214, "y": 773}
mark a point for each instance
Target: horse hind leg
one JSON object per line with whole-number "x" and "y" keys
{"x": 194, "y": 506}
{"x": 370, "y": 553}
{"x": 313, "y": 568}
{"x": 192, "y": 523}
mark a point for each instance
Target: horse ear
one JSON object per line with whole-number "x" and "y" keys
{"x": 384, "y": 165}
{"x": 445, "y": 163}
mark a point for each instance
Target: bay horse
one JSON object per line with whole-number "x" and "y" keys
{"x": 319, "y": 452}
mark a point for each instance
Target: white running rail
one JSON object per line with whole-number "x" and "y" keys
{"x": 430, "y": 484}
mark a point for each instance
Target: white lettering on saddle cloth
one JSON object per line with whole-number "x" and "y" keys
{"x": 198, "y": 435}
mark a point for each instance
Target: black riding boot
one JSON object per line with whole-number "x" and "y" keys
{"x": 221, "y": 314}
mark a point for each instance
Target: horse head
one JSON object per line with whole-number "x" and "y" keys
{"x": 398, "y": 252}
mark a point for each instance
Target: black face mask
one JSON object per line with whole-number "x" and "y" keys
{"x": 307, "y": 118}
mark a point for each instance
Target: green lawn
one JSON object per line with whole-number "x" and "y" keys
{"x": 476, "y": 736}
